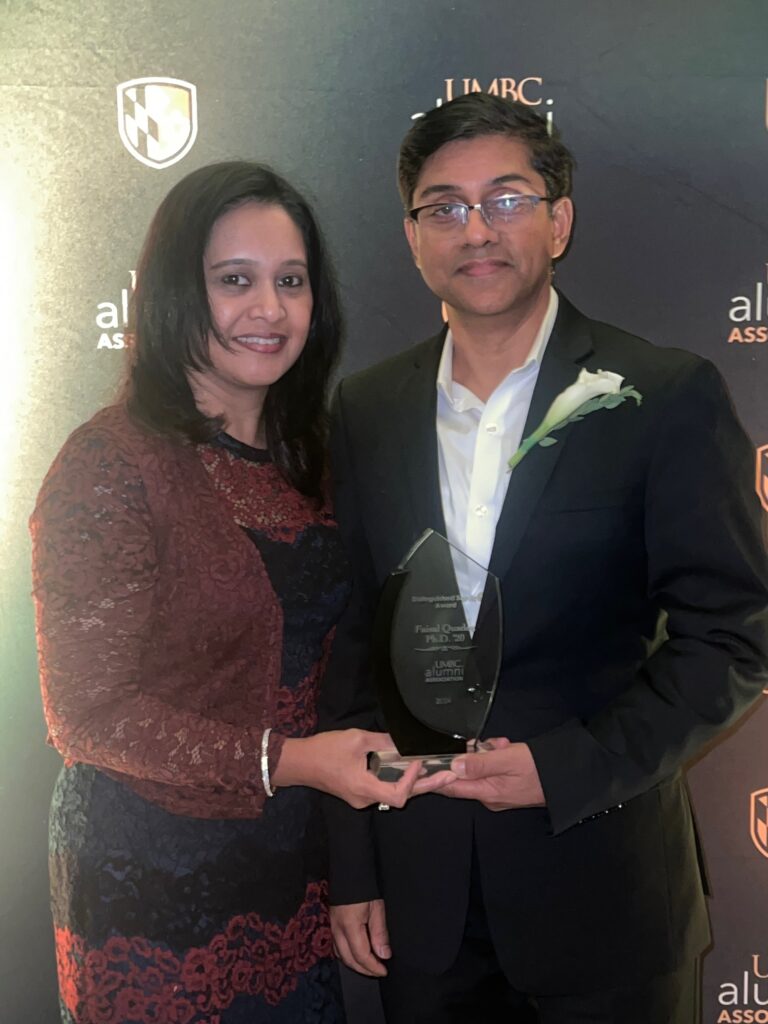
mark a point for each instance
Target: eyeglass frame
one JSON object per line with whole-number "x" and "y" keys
{"x": 413, "y": 214}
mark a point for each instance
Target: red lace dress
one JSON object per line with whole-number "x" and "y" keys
{"x": 186, "y": 598}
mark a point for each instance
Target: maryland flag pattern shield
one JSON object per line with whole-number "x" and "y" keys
{"x": 157, "y": 119}
{"x": 758, "y": 820}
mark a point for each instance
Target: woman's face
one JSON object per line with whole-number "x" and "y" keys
{"x": 259, "y": 294}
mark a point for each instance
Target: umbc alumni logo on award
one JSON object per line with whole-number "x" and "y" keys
{"x": 157, "y": 119}
{"x": 758, "y": 819}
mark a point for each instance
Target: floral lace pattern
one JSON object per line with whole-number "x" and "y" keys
{"x": 130, "y": 978}
{"x": 231, "y": 465}
{"x": 186, "y": 598}
{"x": 159, "y": 630}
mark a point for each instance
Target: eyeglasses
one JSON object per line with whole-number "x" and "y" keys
{"x": 497, "y": 210}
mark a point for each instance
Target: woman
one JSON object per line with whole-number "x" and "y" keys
{"x": 187, "y": 578}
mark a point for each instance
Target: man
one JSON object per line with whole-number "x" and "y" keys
{"x": 556, "y": 877}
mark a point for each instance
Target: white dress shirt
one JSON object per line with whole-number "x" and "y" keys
{"x": 475, "y": 440}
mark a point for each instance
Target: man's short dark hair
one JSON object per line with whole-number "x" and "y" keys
{"x": 475, "y": 114}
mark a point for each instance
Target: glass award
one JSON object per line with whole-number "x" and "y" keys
{"x": 437, "y": 650}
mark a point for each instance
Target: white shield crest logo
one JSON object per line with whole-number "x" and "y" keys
{"x": 758, "y": 820}
{"x": 157, "y": 119}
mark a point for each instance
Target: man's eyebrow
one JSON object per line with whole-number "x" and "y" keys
{"x": 503, "y": 179}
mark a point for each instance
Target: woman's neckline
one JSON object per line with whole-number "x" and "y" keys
{"x": 240, "y": 448}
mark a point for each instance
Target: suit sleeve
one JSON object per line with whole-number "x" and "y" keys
{"x": 707, "y": 571}
{"x": 347, "y": 697}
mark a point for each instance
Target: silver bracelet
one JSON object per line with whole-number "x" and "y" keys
{"x": 265, "y": 762}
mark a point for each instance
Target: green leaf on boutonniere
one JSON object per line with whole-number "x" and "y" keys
{"x": 542, "y": 436}
{"x": 601, "y": 402}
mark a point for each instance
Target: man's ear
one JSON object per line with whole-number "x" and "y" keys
{"x": 409, "y": 226}
{"x": 562, "y": 225}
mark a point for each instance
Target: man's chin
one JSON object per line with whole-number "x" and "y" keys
{"x": 482, "y": 309}
{"x": 517, "y": 305}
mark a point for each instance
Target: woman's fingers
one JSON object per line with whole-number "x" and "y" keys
{"x": 433, "y": 783}
{"x": 404, "y": 785}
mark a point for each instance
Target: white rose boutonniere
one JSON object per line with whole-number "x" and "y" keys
{"x": 589, "y": 392}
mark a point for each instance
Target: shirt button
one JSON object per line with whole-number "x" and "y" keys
{"x": 491, "y": 428}
{"x": 481, "y": 510}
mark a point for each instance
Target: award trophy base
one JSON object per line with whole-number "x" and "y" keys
{"x": 389, "y": 766}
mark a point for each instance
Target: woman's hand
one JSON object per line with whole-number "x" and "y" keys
{"x": 337, "y": 763}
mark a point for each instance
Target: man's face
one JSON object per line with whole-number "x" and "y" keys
{"x": 482, "y": 270}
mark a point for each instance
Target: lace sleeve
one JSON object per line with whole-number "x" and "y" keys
{"x": 94, "y": 575}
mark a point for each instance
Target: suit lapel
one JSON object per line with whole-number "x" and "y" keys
{"x": 568, "y": 346}
{"x": 416, "y": 435}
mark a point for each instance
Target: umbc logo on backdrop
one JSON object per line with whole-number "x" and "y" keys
{"x": 525, "y": 90}
{"x": 758, "y": 820}
{"x": 112, "y": 319}
{"x": 750, "y": 312}
{"x": 739, "y": 998}
{"x": 157, "y": 119}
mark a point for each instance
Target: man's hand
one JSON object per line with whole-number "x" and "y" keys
{"x": 501, "y": 778}
{"x": 360, "y": 936}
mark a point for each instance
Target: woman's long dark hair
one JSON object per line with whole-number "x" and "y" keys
{"x": 172, "y": 321}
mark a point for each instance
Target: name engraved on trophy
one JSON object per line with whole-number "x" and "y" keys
{"x": 442, "y": 637}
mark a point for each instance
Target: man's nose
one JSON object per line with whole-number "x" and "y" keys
{"x": 477, "y": 230}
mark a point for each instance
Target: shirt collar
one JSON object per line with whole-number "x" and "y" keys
{"x": 445, "y": 383}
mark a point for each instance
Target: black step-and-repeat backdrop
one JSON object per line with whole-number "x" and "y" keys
{"x": 104, "y": 106}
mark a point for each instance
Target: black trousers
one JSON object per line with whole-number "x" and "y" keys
{"x": 475, "y": 990}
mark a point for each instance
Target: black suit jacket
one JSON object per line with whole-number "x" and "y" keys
{"x": 635, "y": 593}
